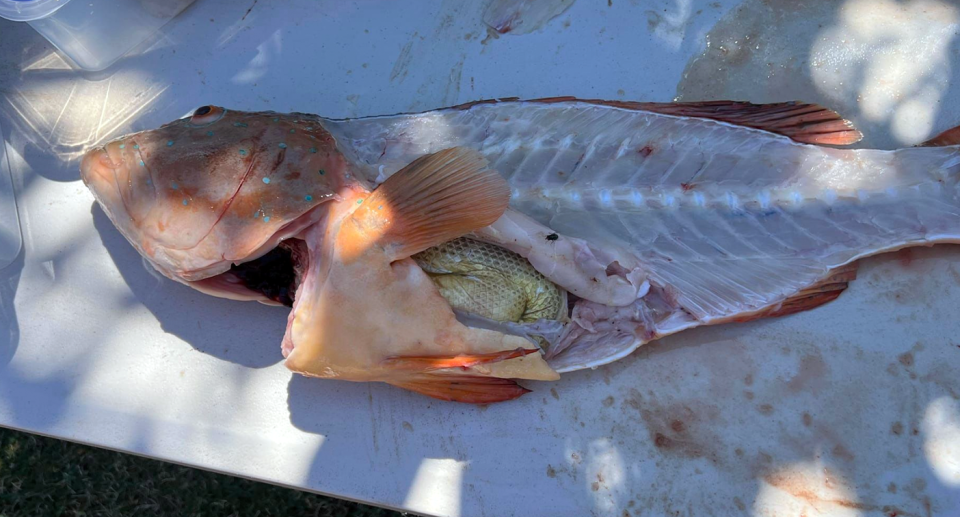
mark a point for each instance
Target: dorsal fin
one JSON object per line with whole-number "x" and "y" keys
{"x": 803, "y": 122}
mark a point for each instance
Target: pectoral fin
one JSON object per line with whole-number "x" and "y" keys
{"x": 438, "y": 197}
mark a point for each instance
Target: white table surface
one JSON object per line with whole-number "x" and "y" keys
{"x": 850, "y": 409}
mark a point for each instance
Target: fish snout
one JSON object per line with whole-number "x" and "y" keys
{"x": 120, "y": 187}
{"x": 98, "y": 167}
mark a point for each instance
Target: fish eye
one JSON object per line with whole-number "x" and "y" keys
{"x": 206, "y": 115}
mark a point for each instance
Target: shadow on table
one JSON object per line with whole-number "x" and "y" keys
{"x": 245, "y": 333}
{"x": 9, "y": 325}
{"x": 20, "y": 392}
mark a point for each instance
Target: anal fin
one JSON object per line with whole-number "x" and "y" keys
{"x": 948, "y": 137}
{"x": 470, "y": 389}
{"x": 818, "y": 294}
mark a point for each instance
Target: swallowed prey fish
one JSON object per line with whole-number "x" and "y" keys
{"x": 452, "y": 251}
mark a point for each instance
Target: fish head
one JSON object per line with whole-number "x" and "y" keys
{"x": 217, "y": 188}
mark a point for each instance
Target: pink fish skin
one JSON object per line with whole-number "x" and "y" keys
{"x": 202, "y": 193}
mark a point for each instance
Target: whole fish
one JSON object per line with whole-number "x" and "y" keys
{"x": 392, "y": 239}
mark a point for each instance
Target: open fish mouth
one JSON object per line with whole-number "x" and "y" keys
{"x": 275, "y": 276}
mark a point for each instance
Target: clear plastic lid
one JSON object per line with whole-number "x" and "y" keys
{"x": 10, "y": 238}
{"x": 28, "y": 10}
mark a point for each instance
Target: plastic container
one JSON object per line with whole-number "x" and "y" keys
{"x": 10, "y": 237}
{"x": 94, "y": 34}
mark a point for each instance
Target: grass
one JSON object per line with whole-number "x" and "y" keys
{"x": 48, "y": 477}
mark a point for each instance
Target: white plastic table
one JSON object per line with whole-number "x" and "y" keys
{"x": 850, "y": 409}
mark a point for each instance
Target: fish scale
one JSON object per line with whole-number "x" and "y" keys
{"x": 492, "y": 282}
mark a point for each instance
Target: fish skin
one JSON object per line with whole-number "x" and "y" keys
{"x": 693, "y": 219}
{"x": 492, "y": 282}
{"x": 200, "y": 193}
{"x": 491, "y": 287}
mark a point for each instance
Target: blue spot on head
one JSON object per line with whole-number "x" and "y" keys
{"x": 282, "y": 145}
{"x": 313, "y": 150}
{"x": 239, "y": 124}
{"x": 185, "y": 202}
{"x": 308, "y": 198}
{"x": 293, "y": 130}
{"x": 276, "y": 119}
{"x": 136, "y": 146}
{"x": 243, "y": 152}
{"x": 122, "y": 146}
{"x": 149, "y": 181}
{"x": 209, "y": 133}
{"x": 141, "y": 163}
{"x": 359, "y": 201}
{"x": 174, "y": 185}
{"x": 169, "y": 143}
{"x": 308, "y": 128}
{"x": 266, "y": 218}
{"x": 266, "y": 180}
{"x": 322, "y": 172}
